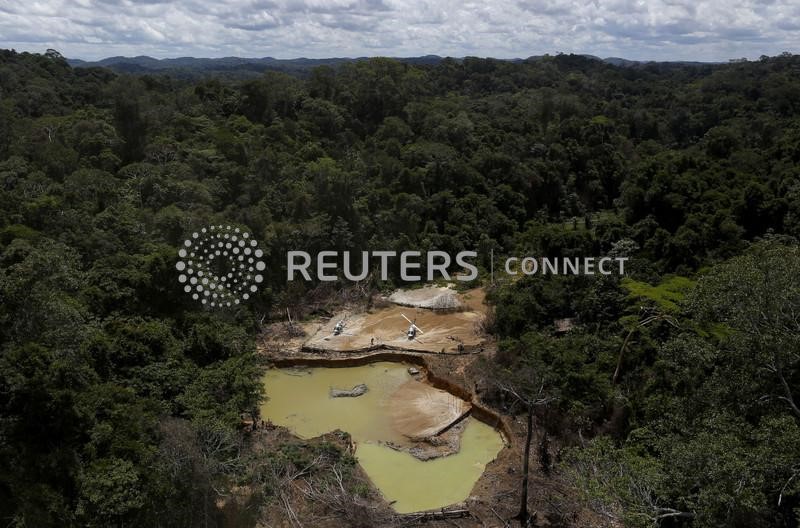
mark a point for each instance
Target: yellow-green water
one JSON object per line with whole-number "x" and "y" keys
{"x": 300, "y": 400}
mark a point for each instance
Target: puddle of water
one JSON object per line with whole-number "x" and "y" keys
{"x": 300, "y": 401}
{"x": 416, "y": 485}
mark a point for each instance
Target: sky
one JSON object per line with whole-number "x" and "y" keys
{"x": 715, "y": 30}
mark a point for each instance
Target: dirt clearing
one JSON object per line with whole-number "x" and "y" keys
{"x": 439, "y": 331}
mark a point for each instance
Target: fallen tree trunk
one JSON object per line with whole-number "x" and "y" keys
{"x": 435, "y": 515}
{"x": 358, "y": 390}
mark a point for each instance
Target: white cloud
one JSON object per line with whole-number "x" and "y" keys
{"x": 635, "y": 29}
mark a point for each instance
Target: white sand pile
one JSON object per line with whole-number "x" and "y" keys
{"x": 431, "y": 297}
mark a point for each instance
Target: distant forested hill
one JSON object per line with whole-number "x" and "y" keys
{"x": 239, "y": 67}
{"x": 236, "y": 67}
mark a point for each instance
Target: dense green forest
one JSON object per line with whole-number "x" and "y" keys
{"x": 675, "y": 396}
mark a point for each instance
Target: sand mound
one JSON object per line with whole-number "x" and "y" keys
{"x": 429, "y": 297}
{"x": 418, "y": 410}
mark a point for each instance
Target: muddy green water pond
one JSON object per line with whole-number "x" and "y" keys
{"x": 299, "y": 399}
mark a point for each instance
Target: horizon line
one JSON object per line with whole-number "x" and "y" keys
{"x": 400, "y": 57}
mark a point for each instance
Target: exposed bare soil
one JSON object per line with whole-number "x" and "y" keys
{"x": 419, "y": 411}
{"x": 439, "y": 331}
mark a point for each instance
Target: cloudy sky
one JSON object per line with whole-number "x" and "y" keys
{"x": 634, "y": 29}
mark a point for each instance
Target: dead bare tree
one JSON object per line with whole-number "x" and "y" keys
{"x": 51, "y": 132}
{"x": 624, "y": 489}
{"x": 530, "y": 402}
{"x": 280, "y": 476}
{"x": 329, "y": 492}
{"x": 788, "y": 482}
{"x": 528, "y": 384}
{"x": 323, "y": 484}
{"x": 220, "y": 448}
{"x": 647, "y": 316}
